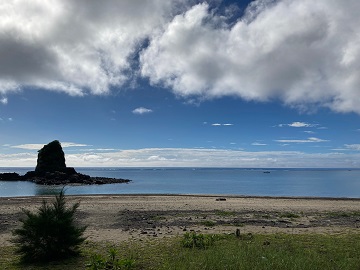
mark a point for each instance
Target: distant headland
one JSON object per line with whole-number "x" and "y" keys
{"x": 51, "y": 170}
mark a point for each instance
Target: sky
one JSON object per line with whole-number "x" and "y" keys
{"x": 218, "y": 83}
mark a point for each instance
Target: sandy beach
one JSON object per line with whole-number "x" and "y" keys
{"x": 122, "y": 217}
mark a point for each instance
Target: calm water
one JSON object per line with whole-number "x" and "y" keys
{"x": 221, "y": 181}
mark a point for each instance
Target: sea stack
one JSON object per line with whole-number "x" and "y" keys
{"x": 51, "y": 158}
{"x": 51, "y": 170}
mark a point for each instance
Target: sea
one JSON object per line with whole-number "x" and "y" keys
{"x": 329, "y": 183}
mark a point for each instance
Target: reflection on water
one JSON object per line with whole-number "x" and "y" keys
{"x": 48, "y": 190}
{"x": 23, "y": 188}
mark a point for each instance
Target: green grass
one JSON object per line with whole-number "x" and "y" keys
{"x": 208, "y": 223}
{"x": 275, "y": 251}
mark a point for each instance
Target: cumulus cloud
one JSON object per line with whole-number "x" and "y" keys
{"x": 298, "y": 125}
{"x": 141, "y": 110}
{"x": 76, "y": 47}
{"x": 4, "y": 100}
{"x": 303, "y": 52}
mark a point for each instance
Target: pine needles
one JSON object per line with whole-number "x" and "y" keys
{"x": 50, "y": 234}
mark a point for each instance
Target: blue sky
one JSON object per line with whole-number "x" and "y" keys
{"x": 182, "y": 83}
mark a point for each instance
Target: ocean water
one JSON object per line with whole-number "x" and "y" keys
{"x": 220, "y": 181}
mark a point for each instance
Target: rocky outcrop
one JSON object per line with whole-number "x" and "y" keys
{"x": 51, "y": 158}
{"x": 61, "y": 178}
{"x": 51, "y": 170}
{"x": 10, "y": 177}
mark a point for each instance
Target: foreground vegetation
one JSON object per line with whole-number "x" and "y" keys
{"x": 50, "y": 234}
{"x": 50, "y": 239}
{"x": 276, "y": 251}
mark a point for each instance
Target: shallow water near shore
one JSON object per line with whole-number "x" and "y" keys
{"x": 222, "y": 181}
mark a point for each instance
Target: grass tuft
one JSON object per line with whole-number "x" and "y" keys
{"x": 208, "y": 223}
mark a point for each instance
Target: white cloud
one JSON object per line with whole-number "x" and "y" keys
{"x": 301, "y": 124}
{"x": 304, "y": 52}
{"x": 298, "y": 125}
{"x": 184, "y": 157}
{"x": 141, "y": 110}
{"x": 76, "y": 47}
{"x": 70, "y": 144}
{"x": 88, "y": 47}
{"x": 308, "y": 140}
{"x": 29, "y": 146}
{"x": 258, "y": 144}
{"x": 9, "y": 119}
{"x": 353, "y": 147}
{"x": 38, "y": 146}
{"x": 218, "y": 124}
{"x": 18, "y": 160}
{"x": 349, "y": 147}
{"x": 96, "y": 149}
{"x": 4, "y": 100}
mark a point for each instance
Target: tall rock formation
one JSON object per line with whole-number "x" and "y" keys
{"x": 51, "y": 158}
{"x": 51, "y": 170}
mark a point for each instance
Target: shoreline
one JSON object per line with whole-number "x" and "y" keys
{"x": 194, "y": 195}
{"x": 122, "y": 217}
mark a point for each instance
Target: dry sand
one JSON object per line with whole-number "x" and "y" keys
{"x": 122, "y": 217}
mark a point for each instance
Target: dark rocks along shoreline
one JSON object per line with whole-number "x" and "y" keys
{"x": 60, "y": 178}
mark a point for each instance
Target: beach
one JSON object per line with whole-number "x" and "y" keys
{"x": 115, "y": 218}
